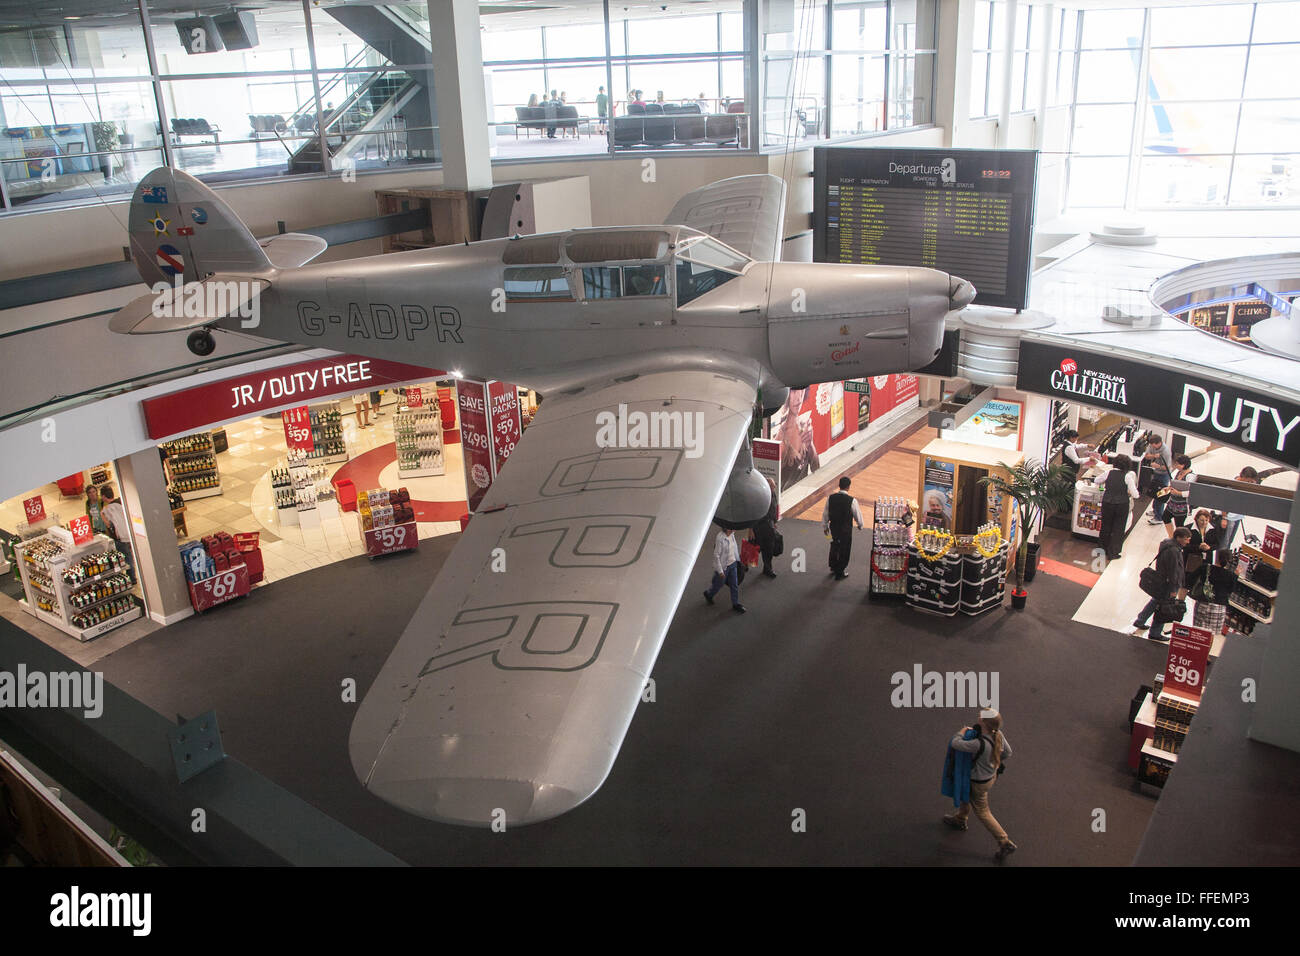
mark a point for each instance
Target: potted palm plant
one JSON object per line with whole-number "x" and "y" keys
{"x": 1039, "y": 490}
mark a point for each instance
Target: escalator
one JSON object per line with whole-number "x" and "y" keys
{"x": 374, "y": 106}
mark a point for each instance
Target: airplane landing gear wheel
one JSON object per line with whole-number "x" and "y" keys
{"x": 201, "y": 342}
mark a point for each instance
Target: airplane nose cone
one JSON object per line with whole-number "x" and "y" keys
{"x": 960, "y": 293}
{"x": 479, "y": 802}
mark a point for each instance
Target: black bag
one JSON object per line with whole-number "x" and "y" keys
{"x": 1176, "y": 506}
{"x": 778, "y": 544}
{"x": 1173, "y": 610}
{"x": 1151, "y": 583}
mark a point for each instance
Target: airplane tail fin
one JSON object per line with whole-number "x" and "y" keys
{"x": 180, "y": 227}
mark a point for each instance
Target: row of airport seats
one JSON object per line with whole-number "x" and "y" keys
{"x": 707, "y": 129}
{"x": 260, "y": 123}
{"x": 542, "y": 117}
{"x": 195, "y": 127}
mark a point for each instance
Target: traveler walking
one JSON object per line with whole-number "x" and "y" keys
{"x": 838, "y": 518}
{"x": 765, "y": 534}
{"x": 1176, "y": 507}
{"x": 1167, "y": 591}
{"x": 985, "y": 741}
{"x": 726, "y": 568}
{"x": 1161, "y": 465}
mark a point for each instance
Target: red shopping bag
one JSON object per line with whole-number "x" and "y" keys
{"x": 750, "y": 555}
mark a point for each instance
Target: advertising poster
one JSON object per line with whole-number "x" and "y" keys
{"x": 890, "y": 391}
{"x": 864, "y": 403}
{"x": 936, "y": 498}
{"x": 297, "y": 428}
{"x": 997, "y": 424}
{"x": 1189, "y": 650}
{"x": 767, "y": 462}
{"x": 475, "y": 441}
{"x": 507, "y": 428}
{"x": 811, "y": 420}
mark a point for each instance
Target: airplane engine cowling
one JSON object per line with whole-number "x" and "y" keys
{"x": 747, "y": 496}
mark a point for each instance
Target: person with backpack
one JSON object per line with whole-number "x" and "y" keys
{"x": 989, "y": 749}
{"x": 1119, "y": 486}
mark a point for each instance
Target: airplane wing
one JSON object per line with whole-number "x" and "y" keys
{"x": 512, "y": 687}
{"x": 745, "y": 212}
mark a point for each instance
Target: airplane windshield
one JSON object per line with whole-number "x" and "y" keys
{"x": 708, "y": 252}
{"x": 695, "y": 279}
{"x": 537, "y": 284}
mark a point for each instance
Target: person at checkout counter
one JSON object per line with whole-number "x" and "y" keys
{"x": 1075, "y": 455}
{"x": 1119, "y": 486}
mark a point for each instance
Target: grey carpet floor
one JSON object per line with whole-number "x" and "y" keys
{"x": 756, "y": 716}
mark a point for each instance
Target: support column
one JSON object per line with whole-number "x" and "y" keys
{"x": 1277, "y": 705}
{"x": 157, "y": 558}
{"x": 953, "y": 39}
{"x": 458, "y": 85}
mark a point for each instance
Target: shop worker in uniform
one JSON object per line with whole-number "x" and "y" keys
{"x": 1076, "y": 455}
{"x": 726, "y": 568}
{"x": 990, "y": 749}
{"x": 838, "y": 518}
{"x": 1120, "y": 485}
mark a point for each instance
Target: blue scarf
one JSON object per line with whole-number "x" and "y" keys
{"x": 956, "y": 773}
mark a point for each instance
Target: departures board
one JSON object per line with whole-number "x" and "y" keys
{"x": 968, "y": 212}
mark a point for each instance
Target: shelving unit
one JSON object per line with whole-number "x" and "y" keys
{"x": 418, "y": 435}
{"x": 1060, "y": 425}
{"x": 1251, "y": 603}
{"x": 450, "y": 221}
{"x": 1166, "y": 730}
{"x": 330, "y": 447}
{"x": 192, "y": 466}
{"x": 890, "y": 535}
{"x": 73, "y": 607}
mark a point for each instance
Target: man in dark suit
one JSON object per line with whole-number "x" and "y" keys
{"x": 838, "y": 518}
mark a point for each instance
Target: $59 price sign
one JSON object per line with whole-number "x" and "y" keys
{"x": 297, "y": 428}
{"x": 400, "y": 537}
{"x": 1189, "y": 652}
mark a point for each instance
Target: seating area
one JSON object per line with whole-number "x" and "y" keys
{"x": 683, "y": 127}
{"x": 563, "y": 118}
{"x": 195, "y": 127}
{"x": 260, "y": 123}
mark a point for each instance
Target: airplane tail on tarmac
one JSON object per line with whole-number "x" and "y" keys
{"x": 181, "y": 233}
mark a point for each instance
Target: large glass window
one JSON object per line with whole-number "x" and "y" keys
{"x": 1211, "y": 123}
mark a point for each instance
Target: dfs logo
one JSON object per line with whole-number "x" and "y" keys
{"x": 1069, "y": 366}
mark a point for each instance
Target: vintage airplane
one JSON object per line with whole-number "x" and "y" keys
{"x": 508, "y": 695}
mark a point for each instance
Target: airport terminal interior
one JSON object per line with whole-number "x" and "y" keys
{"x": 284, "y": 287}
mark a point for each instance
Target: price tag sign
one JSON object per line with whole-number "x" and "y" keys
{"x": 80, "y": 528}
{"x": 400, "y": 537}
{"x": 414, "y": 399}
{"x": 219, "y": 588}
{"x": 1273, "y": 541}
{"x": 297, "y": 428}
{"x": 1189, "y": 652}
{"x": 34, "y": 509}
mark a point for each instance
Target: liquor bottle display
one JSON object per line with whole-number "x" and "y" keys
{"x": 418, "y": 436}
{"x": 84, "y": 590}
{"x": 192, "y": 466}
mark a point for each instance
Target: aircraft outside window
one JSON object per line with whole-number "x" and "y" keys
{"x": 613, "y": 282}
{"x": 703, "y": 264}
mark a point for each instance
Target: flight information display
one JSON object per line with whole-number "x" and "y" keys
{"x": 968, "y": 212}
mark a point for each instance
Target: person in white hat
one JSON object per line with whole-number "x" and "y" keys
{"x": 990, "y": 749}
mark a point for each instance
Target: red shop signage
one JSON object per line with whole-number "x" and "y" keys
{"x": 196, "y": 408}
{"x": 34, "y": 509}
{"x": 475, "y": 439}
{"x": 1189, "y": 651}
{"x": 507, "y": 429}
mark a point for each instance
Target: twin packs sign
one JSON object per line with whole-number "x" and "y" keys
{"x": 1215, "y": 409}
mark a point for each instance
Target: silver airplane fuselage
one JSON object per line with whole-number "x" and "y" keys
{"x": 448, "y": 308}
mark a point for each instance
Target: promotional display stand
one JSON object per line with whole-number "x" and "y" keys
{"x": 387, "y": 521}
{"x": 934, "y": 578}
{"x": 983, "y": 577}
{"x": 1085, "y": 518}
{"x": 328, "y": 445}
{"x": 1250, "y": 601}
{"x": 216, "y": 569}
{"x": 1165, "y": 716}
{"x": 59, "y": 590}
{"x": 890, "y": 536}
{"x": 220, "y": 588}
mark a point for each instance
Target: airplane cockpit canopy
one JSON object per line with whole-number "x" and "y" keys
{"x": 617, "y": 263}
